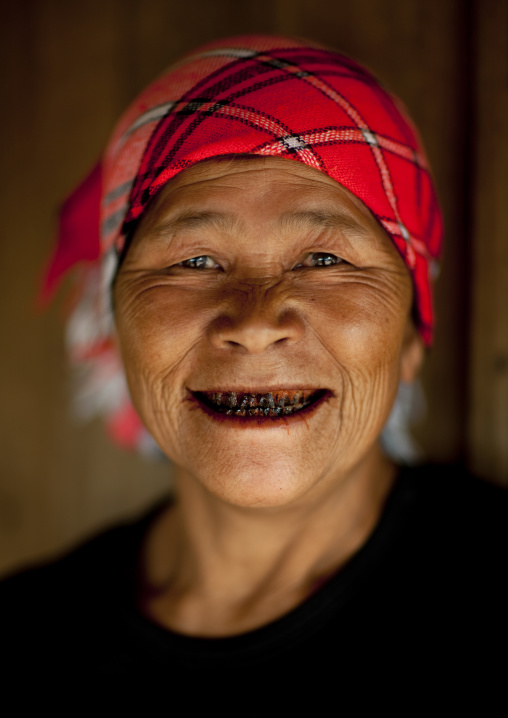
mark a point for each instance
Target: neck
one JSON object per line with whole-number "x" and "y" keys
{"x": 218, "y": 569}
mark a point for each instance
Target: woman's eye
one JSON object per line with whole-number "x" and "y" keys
{"x": 321, "y": 259}
{"x": 202, "y": 262}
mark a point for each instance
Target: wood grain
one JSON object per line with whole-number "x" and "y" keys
{"x": 488, "y": 408}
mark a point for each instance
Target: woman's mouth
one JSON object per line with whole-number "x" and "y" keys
{"x": 272, "y": 404}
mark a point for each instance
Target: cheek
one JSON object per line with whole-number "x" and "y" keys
{"x": 160, "y": 323}
{"x": 363, "y": 329}
{"x": 362, "y": 325}
{"x": 157, "y": 331}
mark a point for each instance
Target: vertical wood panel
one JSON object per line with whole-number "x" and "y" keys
{"x": 489, "y": 332}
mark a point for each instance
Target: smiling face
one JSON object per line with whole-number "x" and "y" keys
{"x": 254, "y": 286}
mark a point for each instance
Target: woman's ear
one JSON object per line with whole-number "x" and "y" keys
{"x": 413, "y": 351}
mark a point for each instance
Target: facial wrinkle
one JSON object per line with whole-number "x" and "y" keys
{"x": 304, "y": 220}
{"x": 193, "y": 220}
{"x": 309, "y": 326}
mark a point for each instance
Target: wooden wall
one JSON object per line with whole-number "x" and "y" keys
{"x": 488, "y": 277}
{"x": 68, "y": 69}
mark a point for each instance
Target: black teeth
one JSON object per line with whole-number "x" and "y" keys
{"x": 251, "y": 405}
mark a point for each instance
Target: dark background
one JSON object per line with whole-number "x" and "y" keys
{"x": 68, "y": 69}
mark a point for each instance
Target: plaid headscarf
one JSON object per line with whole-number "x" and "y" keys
{"x": 256, "y": 95}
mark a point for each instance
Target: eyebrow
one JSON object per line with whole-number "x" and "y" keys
{"x": 195, "y": 220}
{"x": 323, "y": 219}
{"x": 225, "y": 222}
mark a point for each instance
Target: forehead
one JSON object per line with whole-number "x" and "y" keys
{"x": 270, "y": 185}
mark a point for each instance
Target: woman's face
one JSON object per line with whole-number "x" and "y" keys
{"x": 246, "y": 283}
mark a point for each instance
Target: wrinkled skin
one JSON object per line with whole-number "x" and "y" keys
{"x": 263, "y": 513}
{"x": 263, "y": 316}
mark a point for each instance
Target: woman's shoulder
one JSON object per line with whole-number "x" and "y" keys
{"x": 101, "y": 568}
{"x": 96, "y": 551}
{"x": 454, "y": 485}
{"x": 456, "y": 516}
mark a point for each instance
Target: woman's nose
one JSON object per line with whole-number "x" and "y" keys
{"x": 255, "y": 321}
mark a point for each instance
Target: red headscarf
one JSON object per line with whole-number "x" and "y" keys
{"x": 257, "y": 95}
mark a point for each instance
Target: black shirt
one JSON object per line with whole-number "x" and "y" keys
{"x": 419, "y": 610}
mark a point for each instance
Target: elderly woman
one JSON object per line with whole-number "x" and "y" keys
{"x": 268, "y": 232}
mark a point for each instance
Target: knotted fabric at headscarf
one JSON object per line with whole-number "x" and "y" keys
{"x": 256, "y": 95}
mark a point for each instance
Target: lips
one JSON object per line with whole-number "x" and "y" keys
{"x": 275, "y": 404}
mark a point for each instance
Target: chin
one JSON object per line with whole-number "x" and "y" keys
{"x": 250, "y": 484}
